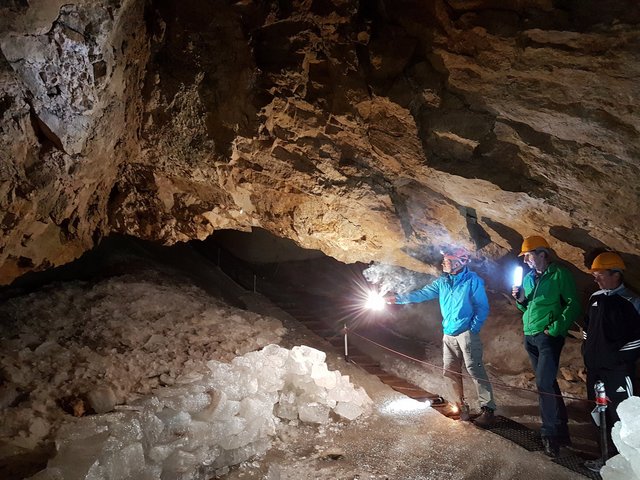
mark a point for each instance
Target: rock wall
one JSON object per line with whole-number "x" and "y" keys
{"x": 372, "y": 131}
{"x": 69, "y": 102}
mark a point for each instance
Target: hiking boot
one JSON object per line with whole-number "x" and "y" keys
{"x": 464, "y": 412}
{"x": 486, "y": 418}
{"x": 551, "y": 447}
{"x": 594, "y": 465}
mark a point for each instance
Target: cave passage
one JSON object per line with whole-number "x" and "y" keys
{"x": 313, "y": 288}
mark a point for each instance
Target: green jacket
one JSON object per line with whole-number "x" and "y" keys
{"x": 551, "y": 303}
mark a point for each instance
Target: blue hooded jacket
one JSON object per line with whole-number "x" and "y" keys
{"x": 463, "y": 301}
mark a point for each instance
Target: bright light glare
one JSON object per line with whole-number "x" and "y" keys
{"x": 406, "y": 405}
{"x": 375, "y": 301}
{"x": 517, "y": 276}
{"x": 454, "y": 408}
{"x": 366, "y": 306}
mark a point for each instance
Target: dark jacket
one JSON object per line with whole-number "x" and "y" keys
{"x": 611, "y": 329}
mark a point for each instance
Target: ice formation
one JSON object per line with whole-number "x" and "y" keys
{"x": 390, "y": 278}
{"x": 197, "y": 429}
{"x": 626, "y": 436}
{"x": 110, "y": 343}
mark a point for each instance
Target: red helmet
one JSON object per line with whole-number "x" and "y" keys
{"x": 457, "y": 253}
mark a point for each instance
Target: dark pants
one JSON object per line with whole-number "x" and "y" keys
{"x": 618, "y": 387}
{"x": 544, "y": 353}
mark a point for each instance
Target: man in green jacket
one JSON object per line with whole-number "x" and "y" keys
{"x": 549, "y": 302}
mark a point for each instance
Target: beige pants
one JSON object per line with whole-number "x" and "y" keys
{"x": 466, "y": 347}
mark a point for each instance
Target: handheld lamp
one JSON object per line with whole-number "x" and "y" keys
{"x": 375, "y": 301}
{"x": 517, "y": 277}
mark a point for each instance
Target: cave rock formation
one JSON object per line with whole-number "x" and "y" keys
{"x": 371, "y": 130}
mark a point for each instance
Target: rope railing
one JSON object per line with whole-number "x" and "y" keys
{"x": 494, "y": 384}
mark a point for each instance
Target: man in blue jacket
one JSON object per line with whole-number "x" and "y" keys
{"x": 464, "y": 307}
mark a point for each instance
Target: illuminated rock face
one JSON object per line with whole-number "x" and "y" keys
{"x": 69, "y": 102}
{"x": 368, "y": 132}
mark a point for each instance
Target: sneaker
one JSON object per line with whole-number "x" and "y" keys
{"x": 594, "y": 465}
{"x": 551, "y": 447}
{"x": 486, "y": 418}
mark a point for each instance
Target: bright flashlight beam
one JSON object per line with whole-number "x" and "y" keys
{"x": 517, "y": 276}
{"x": 404, "y": 406}
{"x": 360, "y": 309}
{"x": 375, "y": 301}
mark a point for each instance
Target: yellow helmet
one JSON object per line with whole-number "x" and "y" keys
{"x": 607, "y": 261}
{"x": 533, "y": 243}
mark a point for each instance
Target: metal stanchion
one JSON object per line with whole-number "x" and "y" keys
{"x": 601, "y": 418}
{"x": 346, "y": 345}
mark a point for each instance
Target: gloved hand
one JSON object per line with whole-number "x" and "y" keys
{"x": 390, "y": 299}
{"x": 518, "y": 294}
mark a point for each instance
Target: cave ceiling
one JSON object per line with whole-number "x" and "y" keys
{"x": 372, "y": 130}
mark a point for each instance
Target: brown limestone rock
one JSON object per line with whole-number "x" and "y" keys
{"x": 375, "y": 132}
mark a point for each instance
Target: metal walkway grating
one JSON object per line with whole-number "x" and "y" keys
{"x": 575, "y": 463}
{"x": 530, "y": 440}
{"x": 516, "y": 433}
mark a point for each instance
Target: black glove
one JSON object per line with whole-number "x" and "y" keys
{"x": 518, "y": 294}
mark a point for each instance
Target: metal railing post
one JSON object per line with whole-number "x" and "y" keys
{"x": 346, "y": 344}
{"x": 601, "y": 407}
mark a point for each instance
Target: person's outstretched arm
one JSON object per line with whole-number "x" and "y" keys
{"x": 428, "y": 292}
